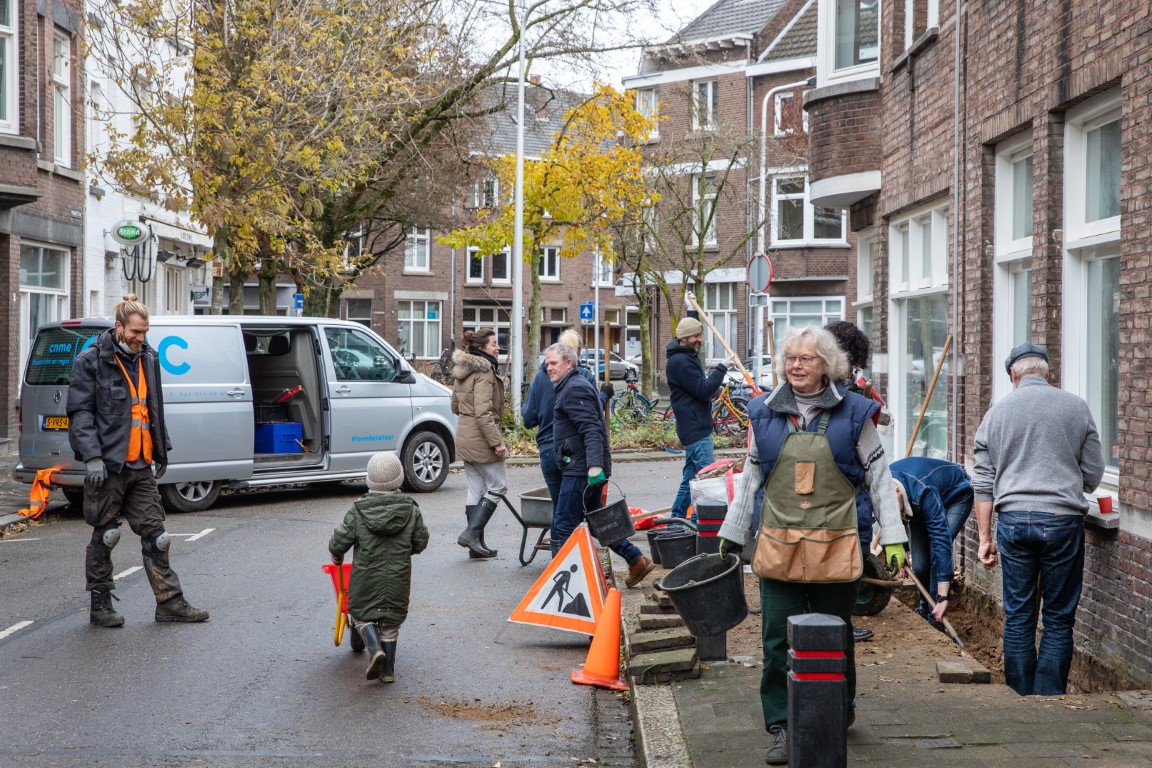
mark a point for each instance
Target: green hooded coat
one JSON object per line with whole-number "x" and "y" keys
{"x": 386, "y": 529}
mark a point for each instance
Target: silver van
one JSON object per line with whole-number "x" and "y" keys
{"x": 252, "y": 401}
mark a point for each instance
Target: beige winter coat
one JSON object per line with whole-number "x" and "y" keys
{"x": 478, "y": 399}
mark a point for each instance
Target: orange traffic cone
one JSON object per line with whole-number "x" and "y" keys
{"x": 602, "y": 667}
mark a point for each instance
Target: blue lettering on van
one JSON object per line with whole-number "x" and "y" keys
{"x": 60, "y": 348}
{"x": 176, "y": 369}
{"x": 371, "y": 438}
{"x": 90, "y": 342}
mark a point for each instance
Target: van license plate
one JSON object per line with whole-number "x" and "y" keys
{"x": 55, "y": 422}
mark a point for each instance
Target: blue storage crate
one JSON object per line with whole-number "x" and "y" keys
{"x": 279, "y": 438}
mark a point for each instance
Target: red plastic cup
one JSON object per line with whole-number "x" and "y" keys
{"x": 1105, "y": 503}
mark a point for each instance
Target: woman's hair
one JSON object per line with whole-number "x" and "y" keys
{"x": 130, "y": 306}
{"x": 835, "y": 361}
{"x": 475, "y": 341}
{"x": 570, "y": 338}
{"x": 853, "y": 341}
{"x": 563, "y": 350}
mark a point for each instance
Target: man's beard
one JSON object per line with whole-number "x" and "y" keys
{"x": 696, "y": 345}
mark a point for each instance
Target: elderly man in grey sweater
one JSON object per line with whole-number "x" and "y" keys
{"x": 1037, "y": 453}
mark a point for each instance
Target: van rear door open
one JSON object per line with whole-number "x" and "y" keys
{"x": 207, "y": 400}
{"x": 369, "y": 405}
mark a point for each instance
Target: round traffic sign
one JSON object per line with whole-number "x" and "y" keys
{"x": 759, "y": 273}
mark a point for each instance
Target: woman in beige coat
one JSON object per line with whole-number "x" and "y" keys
{"x": 478, "y": 399}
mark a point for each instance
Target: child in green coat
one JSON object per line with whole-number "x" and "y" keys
{"x": 387, "y": 529}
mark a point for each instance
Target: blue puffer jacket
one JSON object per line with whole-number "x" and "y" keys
{"x": 579, "y": 435}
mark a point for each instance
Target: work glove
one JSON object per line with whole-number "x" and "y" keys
{"x": 732, "y": 547}
{"x": 894, "y": 557}
{"x": 596, "y": 476}
{"x": 95, "y": 473}
{"x": 608, "y": 389}
{"x": 158, "y": 470}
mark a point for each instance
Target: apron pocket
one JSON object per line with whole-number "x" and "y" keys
{"x": 808, "y": 555}
{"x": 805, "y": 477}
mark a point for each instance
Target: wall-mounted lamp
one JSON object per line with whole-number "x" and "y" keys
{"x": 194, "y": 262}
{"x": 163, "y": 256}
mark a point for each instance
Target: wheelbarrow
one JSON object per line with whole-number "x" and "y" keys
{"x": 341, "y": 576}
{"x": 537, "y": 514}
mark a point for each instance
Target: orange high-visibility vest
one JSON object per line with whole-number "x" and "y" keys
{"x": 140, "y": 435}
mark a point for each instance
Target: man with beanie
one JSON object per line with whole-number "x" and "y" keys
{"x": 692, "y": 393}
{"x": 386, "y": 528}
{"x": 1037, "y": 453}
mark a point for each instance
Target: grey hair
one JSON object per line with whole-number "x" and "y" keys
{"x": 835, "y": 361}
{"x": 1032, "y": 364}
{"x": 565, "y": 352}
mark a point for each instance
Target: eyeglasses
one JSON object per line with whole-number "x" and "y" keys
{"x": 805, "y": 360}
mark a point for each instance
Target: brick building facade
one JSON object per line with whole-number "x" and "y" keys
{"x": 41, "y": 180}
{"x": 992, "y": 156}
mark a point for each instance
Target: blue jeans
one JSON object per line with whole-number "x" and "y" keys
{"x": 575, "y": 496}
{"x": 697, "y": 455}
{"x": 924, "y": 556}
{"x": 552, "y": 474}
{"x": 1042, "y": 559}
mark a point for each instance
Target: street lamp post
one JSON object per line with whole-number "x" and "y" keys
{"x": 517, "y": 325}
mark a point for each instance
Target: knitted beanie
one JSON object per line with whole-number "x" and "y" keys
{"x": 385, "y": 474}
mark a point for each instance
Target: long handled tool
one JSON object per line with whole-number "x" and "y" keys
{"x": 691, "y": 300}
{"x": 931, "y": 602}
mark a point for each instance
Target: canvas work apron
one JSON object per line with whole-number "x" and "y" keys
{"x": 808, "y": 518}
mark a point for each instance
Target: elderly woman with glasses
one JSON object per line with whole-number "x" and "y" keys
{"x": 814, "y": 456}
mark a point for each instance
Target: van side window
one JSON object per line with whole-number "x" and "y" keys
{"x": 358, "y": 357}
{"x": 54, "y": 352}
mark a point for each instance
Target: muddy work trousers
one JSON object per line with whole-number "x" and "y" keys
{"x": 132, "y": 496}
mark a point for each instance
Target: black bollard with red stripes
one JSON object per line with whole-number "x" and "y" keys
{"x": 817, "y": 691}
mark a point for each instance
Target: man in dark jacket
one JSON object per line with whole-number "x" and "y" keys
{"x": 116, "y": 427}
{"x": 580, "y": 442}
{"x": 386, "y": 528}
{"x": 692, "y": 393}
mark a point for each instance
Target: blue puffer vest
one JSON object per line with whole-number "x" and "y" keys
{"x": 845, "y": 421}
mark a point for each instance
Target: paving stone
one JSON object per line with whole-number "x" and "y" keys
{"x": 962, "y": 671}
{"x": 650, "y": 621}
{"x": 664, "y": 666}
{"x": 659, "y": 640}
{"x": 653, "y": 607}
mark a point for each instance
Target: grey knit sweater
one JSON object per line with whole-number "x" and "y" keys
{"x": 1037, "y": 450}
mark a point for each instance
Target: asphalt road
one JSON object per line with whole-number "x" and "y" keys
{"x": 261, "y": 683}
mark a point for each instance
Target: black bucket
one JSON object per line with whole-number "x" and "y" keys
{"x": 610, "y": 523}
{"x": 652, "y": 546}
{"x": 708, "y": 592}
{"x": 676, "y": 547}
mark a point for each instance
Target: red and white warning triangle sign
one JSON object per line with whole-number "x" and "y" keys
{"x": 570, "y": 594}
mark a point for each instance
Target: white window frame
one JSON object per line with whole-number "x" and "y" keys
{"x": 504, "y": 258}
{"x": 865, "y": 262}
{"x": 780, "y": 126}
{"x": 57, "y": 296}
{"x": 9, "y": 83}
{"x": 826, "y": 70}
{"x": 355, "y": 317}
{"x": 62, "y": 98}
{"x": 914, "y": 225}
{"x": 1078, "y": 232}
{"x": 489, "y": 316}
{"x": 721, "y": 302}
{"x": 603, "y": 271}
{"x": 705, "y": 111}
{"x": 699, "y": 201}
{"x": 831, "y": 310}
{"x": 932, "y": 20}
{"x": 809, "y": 235}
{"x": 475, "y": 255}
{"x": 431, "y": 327}
{"x": 648, "y": 105}
{"x": 418, "y": 250}
{"x": 1013, "y": 257}
{"x": 550, "y": 264}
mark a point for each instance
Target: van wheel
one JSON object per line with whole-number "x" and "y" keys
{"x": 425, "y": 460}
{"x": 75, "y": 497}
{"x": 190, "y": 497}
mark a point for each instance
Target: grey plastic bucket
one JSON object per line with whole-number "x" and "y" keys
{"x": 653, "y": 547}
{"x": 676, "y": 547}
{"x": 708, "y": 592}
{"x": 610, "y": 523}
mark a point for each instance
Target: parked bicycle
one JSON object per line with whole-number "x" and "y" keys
{"x": 629, "y": 406}
{"x": 730, "y": 413}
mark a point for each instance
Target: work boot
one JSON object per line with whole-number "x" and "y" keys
{"x": 102, "y": 613}
{"x": 378, "y": 658}
{"x": 638, "y": 570}
{"x": 177, "y": 609}
{"x": 860, "y": 634}
{"x": 478, "y": 517}
{"x": 777, "y": 754}
{"x": 389, "y": 673}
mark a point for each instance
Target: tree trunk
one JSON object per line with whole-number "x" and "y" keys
{"x": 533, "y": 319}
{"x": 221, "y": 255}
{"x": 267, "y": 277}
{"x": 237, "y": 276}
{"x": 647, "y": 359}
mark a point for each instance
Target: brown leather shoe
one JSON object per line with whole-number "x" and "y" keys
{"x": 638, "y": 570}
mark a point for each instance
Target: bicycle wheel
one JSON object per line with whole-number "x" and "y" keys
{"x": 630, "y": 408}
{"x": 730, "y": 417}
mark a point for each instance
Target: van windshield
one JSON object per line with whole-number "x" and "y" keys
{"x": 55, "y": 350}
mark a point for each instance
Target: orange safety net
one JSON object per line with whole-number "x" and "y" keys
{"x": 38, "y": 496}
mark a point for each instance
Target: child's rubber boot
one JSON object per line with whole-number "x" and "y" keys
{"x": 377, "y": 658}
{"x": 389, "y": 673}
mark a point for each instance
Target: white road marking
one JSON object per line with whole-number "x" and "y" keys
{"x": 14, "y": 629}
{"x": 128, "y": 572}
{"x": 194, "y": 536}
{"x": 14, "y": 540}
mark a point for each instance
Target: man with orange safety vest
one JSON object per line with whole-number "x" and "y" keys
{"x": 116, "y": 427}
